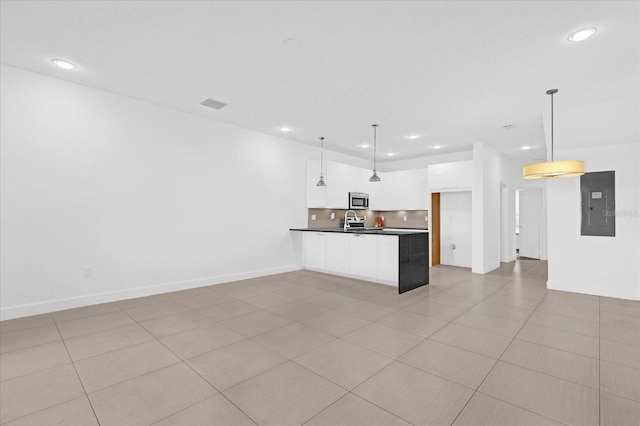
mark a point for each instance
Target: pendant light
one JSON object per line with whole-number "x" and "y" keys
{"x": 374, "y": 177}
{"x": 553, "y": 169}
{"x": 321, "y": 181}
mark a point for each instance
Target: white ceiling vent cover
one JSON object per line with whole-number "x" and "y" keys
{"x": 212, "y": 103}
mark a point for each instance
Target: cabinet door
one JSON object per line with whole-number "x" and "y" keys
{"x": 337, "y": 252}
{"x": 461, "y": 174}
{"x": 439, "y": 176}
{"x": 406, "y": 184}
{"x": 316, "y": 195}
{"x": 420, "y": 189}
{"x": 314, "y": 250}
{"x": 388, "y": 258}
{"x": 338, "y": 176}
{"x": 363, "y": 253}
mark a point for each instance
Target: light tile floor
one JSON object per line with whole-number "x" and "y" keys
{"x": 315, "y": 349}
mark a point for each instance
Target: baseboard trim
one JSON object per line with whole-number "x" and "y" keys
{"x": 19, "y": 311}
{"x": 355, "y": 277}
{"x": 595, "y": 291}
{"x": 486, "y": 268}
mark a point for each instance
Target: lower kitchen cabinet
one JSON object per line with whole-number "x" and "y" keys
{"x": 368, "y": 257}
{"x": 363, "y": 255}
{"x": 400, "y": 260}
{"x": 388, "y": 267}
{"x": 337, "y": 252}
{"x": 314, "y": 249}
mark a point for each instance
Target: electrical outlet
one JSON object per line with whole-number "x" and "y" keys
{"x": 87, "y": 272}
{"x": 404, "y": 218}
{"x": 332, "y": 215}
{"x": 383, "y": 218}
{"x": 313, "y": 217}
{"x": 426, "y": 218}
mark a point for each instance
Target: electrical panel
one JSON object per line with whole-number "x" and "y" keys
{"x": 597, "y": 190}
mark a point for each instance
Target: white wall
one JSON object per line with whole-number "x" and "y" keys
{"x": 455, "y": 228}
{"x": 606, "y": 266}
{"x": 105, "y": 197}
{"x": 490, "y": 170}
{"x": 422, "y": 162}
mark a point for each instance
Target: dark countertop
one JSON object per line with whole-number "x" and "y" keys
{"x": 373, "y": 231}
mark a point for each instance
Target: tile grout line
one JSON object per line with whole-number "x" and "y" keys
{"x": 599, "y": 366}
{"x": 348, "y": 391}
{"x": 76, "y": 371}
{"x": 498, "y": 360}
{"x": 181, "y": 361}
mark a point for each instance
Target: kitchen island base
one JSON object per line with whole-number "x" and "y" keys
{"x": 394, "y": 258}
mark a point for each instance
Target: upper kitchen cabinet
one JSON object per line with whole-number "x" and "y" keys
{"x": 316, "y": 195}
{"x": 420, "y": 180}
{"x": 451, "y": 176}
{"x": 402, "y": 190}
{"x": 339, "y": 183}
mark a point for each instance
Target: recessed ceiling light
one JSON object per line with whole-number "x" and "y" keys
{"x": 364, "y": 145}
{"x": 582, "y": 34}
{"x": 285, "y": 129}
{"x": 526, "y": 147}
{"x": 413, "y": 136}
{"x": 65, "y": 65}
{"x": 390, "y": 154}
{"x": 436, "y": 147}
{"x": 509, "y": 127}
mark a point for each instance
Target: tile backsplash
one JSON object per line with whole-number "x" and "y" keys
{"x": 396, "y": 218}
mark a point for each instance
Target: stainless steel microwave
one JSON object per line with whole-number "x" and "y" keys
{"x": 358, "y": 201}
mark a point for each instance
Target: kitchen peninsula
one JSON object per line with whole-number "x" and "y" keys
{"x": 392, "y": 256}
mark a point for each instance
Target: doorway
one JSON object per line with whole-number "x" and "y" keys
{"x": 528, "y": 215}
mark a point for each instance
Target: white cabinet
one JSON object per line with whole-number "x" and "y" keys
{"x": 363, "y": 255}
{"x": 461, "y": 174}
{"x": 388, "y": 258}
{"x": 316, "y": 195}
{"x": 451, "y": 176}
{"x": 403, "y": 190}
{"x": 338, "y": 177}
{"x": 337, "y": 252}
{"x": 314, "y": 250}
{"x": 420, "y": 189}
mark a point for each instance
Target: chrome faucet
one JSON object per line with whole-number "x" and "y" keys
{"x": 345, "y": 218}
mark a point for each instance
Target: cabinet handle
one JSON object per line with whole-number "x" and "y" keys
{"x": 357, "y": 235}
{"x": 320, "y": 235}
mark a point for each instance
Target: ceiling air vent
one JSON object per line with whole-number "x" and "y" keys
{"x": 212, "y": 103}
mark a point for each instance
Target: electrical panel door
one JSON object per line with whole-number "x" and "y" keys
{"x": 598, "y": 204}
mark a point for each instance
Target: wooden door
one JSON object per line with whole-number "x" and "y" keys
{"x": 435, "y": 228}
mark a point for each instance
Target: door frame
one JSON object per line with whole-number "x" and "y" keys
{"x": 435, "y": 228}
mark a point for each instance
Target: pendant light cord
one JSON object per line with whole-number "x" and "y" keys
{"x": 321, "y": 154}
{"x": 552, "y": 92}
{"x": 375, "y": 128}
{"x": 551, "y": 126}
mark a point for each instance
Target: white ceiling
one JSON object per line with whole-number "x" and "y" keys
{"x": 452, "y": 72}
